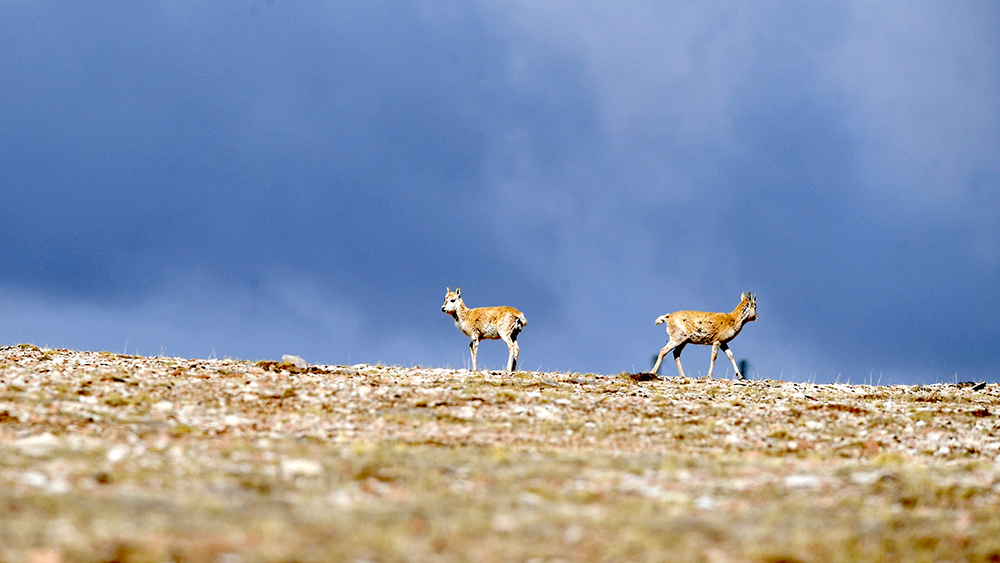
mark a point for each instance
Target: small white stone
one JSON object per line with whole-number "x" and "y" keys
{"x": 117, "y": 453}
{"x": 34, "y": 479}
{"x": 229, "y": 558}
{"x": 530, "y": 499}
{"x": 163, "y": 406}
{"x": 233, "y": 420}
{"x": 865, "y": 477}
{"x": 802, "y": 481}
{"x": 573, "y": 534}
{"x": 82, "y": 443}
{"x": 37, "y": 446}
{"x": 704, "y": 502}
{"x": 300, "y": 467}
{"x": 545, "y": 413}
{"x": 295, "y": 361}
{"x": 58, "y": 486}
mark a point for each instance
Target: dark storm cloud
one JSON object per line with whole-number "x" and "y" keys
{"x": 884, "y": 265}
{"x": 341, "y": 144}
{"x": 803, "y": 151}
{"x": 263, "y": 176}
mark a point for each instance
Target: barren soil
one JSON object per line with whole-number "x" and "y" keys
{"x": 105, "y": 457}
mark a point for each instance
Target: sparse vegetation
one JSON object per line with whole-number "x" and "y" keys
{"x": 107, "y": 457}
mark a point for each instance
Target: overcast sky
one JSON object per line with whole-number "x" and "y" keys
{"x": 252, "y": 178}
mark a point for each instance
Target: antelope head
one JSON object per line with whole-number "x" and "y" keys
{"x": 452, "y": 299}
{"x": 749, "y": 305}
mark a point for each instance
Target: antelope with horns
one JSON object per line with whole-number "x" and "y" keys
{"x": 491, "y": 323}
{"x": 699, "y": 327}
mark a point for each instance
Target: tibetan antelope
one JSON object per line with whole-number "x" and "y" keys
{"x": 491, "y": 323}
{"x": 699, "y": 327}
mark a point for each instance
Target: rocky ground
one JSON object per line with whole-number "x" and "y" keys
{"x": 105, "y": 457}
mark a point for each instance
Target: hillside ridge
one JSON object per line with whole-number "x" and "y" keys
{"x": 149, "y": 458}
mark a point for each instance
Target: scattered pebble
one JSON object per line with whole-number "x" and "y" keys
{"x": 295, "y": 361}
{"x": 84, "y": 423}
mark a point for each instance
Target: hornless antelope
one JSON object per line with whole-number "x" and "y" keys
{"x": 491, "y": 323}
{"x": 699, "y": 327}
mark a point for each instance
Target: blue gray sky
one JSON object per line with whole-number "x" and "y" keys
{"x": 252, "y": 178}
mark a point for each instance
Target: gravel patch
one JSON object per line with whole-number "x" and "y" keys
{"x": 108, "y": 457}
